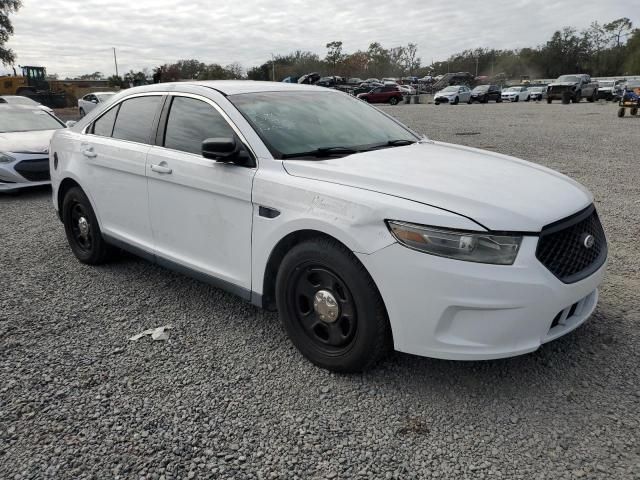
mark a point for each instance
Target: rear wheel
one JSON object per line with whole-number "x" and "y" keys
{"x": 621, "y": 112}
{"x": 393, "y": 100}
{"x": 549, "y": 100}
{"x": 633, "y": 111}
{"x": 331, "y": 308}
{"x": 82, "y": 229}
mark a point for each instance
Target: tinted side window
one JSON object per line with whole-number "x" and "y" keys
{"x": 104, "y": 125}
{"x": 191, "y": 122}
{"x": 135, "y": 119}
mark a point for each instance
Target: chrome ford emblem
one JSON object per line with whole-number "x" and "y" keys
{"x": 588, "y": 240}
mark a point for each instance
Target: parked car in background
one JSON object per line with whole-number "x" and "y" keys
{"x": 485, "y": 93}
{"x": 91, "y": 100}
{"x": 328, "y": 82}
{"x": 515, "y": 94}
{"x": 573, "y": 88}
{"x": 25, "y": 133}
{"x": 354, "y": 81}
{"x": 453, "y": 94}
{"x": 384, "y": 94}
{"x": 20, "y": 100}
{"x": 407, "y": 89}
{"x": 361, "y": 234}
{"x": 537, "y": 93}
{"x": 607, "y": 90}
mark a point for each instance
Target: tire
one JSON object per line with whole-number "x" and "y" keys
{"x": 528, "y": 99}
{"x": 469, "y": 102}
{"x": 621, "y": 112}
{"x": 577, "y": 97}
{"x": 350, "y": 342}
{"x": 633, "y": 111}
{"x": 436, "y": 103}
{"x": 456, "y": 101}
{"x": 82, "y": 229}
{"x": 499, "y": 100}
{"x": 82, "y": 112}
{"x": 393, "y": 100}
{"x": 549, "y": 100}
{"x": 517, "y": 98}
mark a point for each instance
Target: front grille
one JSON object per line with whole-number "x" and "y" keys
{"x": 34, "y": 170}
{"x": 562, "y": 246}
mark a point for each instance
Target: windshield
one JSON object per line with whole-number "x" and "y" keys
{"x": 481, "y": 88}
{"x": 633, "y": 84}
{"x": 568, "y": 78}
{"x": 537, "y": 89}
{"x": 293, "y": 122}
{"x": 512, "y": 89}
{"x": 450, "y": 89}
{"x": 103, "y": 97}
{"x": 605, "y": 84}
{"x": 27, "y": 121}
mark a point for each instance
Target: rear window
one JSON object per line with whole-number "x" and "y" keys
{"x": 135, "y": 119}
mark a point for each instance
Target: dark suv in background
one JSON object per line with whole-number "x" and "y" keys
{"x": 484, "y": 93}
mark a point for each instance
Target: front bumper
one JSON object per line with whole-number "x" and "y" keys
{"x": 27, "y": 170}
{"x": 460, "y": 310}
{"x": 441, "y": 99}
{"x": 509, "y": 98}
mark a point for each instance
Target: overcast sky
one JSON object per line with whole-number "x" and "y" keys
{"x": 72, "y": 37}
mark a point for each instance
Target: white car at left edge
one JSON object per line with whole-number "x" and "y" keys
{"x": 25, "y": 133}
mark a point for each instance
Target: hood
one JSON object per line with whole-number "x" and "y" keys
{"x": 26, "y": 142}
{"x": 497, "y": 191}
{"x": 563, "y": 84}
{"x": 445, "y": 94}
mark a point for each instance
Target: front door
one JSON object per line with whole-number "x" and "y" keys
{"x": 200, "y": 209}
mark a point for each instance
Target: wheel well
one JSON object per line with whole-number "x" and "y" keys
{"x": 66, "y": 185}
{"x": 276, "y": 257}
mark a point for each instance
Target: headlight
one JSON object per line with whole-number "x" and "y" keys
{"x": 6, "y": 158}
{"x": 460, "y": 245}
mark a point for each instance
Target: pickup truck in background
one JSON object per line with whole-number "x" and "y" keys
{"x": 572, "y": 88}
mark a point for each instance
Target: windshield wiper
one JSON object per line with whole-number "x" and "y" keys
{"x": 321, "y": 152}
{"x": 401, "y": 142}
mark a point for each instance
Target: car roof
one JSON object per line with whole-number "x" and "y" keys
{"x": 231, "y": 87}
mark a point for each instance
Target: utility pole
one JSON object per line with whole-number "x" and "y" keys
{"x": 115, "y": 61}
{"x": 477, "y": 66}
{"x": 273, "y": 68}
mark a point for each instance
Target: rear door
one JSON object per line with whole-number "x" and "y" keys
{"x": 201, "y": 211}
{"x": 114, "y": 151}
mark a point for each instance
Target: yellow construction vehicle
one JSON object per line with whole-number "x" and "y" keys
{"x": 33, "y": 84}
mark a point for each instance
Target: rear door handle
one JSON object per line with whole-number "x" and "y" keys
{"x": 89, "y": 152}
{"x": 160, "y": 169}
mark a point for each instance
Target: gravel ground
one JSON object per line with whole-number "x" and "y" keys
{"x": 229, "y": 397}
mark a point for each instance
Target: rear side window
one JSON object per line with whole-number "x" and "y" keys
{"x": 104, "y": 125}
{"x": 135, "y": 119}
{"x": 192, "y": 121}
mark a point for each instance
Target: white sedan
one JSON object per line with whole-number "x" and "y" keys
{"x": 516, "y": 94}
{"x": 25, "y": 133}
{"x": 91, "y": 100}
{"x": 363, "y": 234}
{"x": 453, "y": 95}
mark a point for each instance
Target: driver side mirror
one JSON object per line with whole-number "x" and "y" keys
{"x": 225, "y": 149}
{"x": 95, "y": 100}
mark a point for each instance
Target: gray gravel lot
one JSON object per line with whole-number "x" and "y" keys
{"x": 229, "y": 397}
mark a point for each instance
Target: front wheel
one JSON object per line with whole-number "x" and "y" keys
{"x": 82, "y": 229}
{"x": 621, "y": 112}
{"x": 549, "y": 100}
{"x": 456, "y": 101}
{"x": 331, "y": 308}
{"x": 517, "y": 98}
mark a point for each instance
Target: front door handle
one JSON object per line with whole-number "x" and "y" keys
{"x": 89, "y": 152}
{"x": 160, "y": 168}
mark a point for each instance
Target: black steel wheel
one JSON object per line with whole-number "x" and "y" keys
{"x": 393, "y": 100}
{"x": 82, "y": 229}
{"x": 330, "y": 307}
